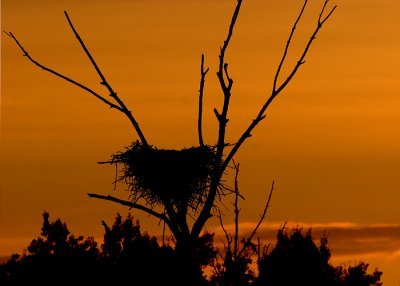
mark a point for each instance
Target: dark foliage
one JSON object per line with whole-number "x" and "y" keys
{"x": 235, "y": 269}
{"x": 128, "y": 256}
{"x": 56, "y": 258}
{"x": 297, "y": 260}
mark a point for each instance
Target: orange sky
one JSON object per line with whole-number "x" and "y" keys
{"x": 330, "y": 141}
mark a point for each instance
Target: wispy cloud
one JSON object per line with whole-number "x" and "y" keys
{"x": 345, "y": 238}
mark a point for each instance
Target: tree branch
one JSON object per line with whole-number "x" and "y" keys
{"x": 236, "y": 210}
{"x": 221, "y": 165}
{"x": 305, "y": 51}
{"x": 120, "y": 106}
{"x": 287, "y": 46}
{"x": 321, "y": 22}
{"x": 130, "y": 204}
{"x": 201, "y": 91}
{"x": 249, "y": 239}
{"x": 26, "y": 54}
{"x": 176, "y": 218}
{"x": 227, "y": 235}
{"x": 261, "y": 115}
{"x": 104, "y": 82}
{"x": 139, "y": 207}
{"x": 226, "y": 87}
{"x": 205, "y": 213}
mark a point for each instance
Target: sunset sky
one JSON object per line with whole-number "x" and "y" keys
{"x": 331, "y": 140}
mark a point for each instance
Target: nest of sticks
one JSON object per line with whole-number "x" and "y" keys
{"x": 162, "y": 176}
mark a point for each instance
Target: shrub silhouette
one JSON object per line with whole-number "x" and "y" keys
{"x": 234, "y": 271}
{"x": 297, "y": 260}
{"x": 53, "y": 259}
{"x": 357, "y": 276}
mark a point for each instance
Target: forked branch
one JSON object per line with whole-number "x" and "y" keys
{"x": 26, "y": 54}
{"x": 226, "y": 82}
{"x": 277, "y": 89}
{"x": 120, "y": 106}
{"x": 104, "y": 82}
{"x": 287, "y": 46}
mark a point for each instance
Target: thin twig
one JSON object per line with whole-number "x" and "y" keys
{"x": 236, "y": 210}
{"x": 287, "y": 46}
{"x": 250, "y": 238}
{"x": 227, "y": 235}
{"x": 305, "y": 51}
{"x": 284, "y": 226}
{"x": 321, "y": 22}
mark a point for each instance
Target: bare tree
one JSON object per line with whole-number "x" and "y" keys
{"x": 186, "y": 183}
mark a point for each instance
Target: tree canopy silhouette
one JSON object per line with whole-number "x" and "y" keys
{"x": 127, "y": 254}
{"x": 297, "y": 260}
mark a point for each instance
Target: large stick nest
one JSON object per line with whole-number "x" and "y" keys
{"x": 162, "y": 176}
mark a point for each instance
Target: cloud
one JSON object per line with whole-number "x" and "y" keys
{"x": 345, "y": 238}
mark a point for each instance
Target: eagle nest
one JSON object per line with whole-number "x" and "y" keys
{"x": 162, "y": 176}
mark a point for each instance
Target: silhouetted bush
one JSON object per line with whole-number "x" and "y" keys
{"x": 128, "y": 256}
{"x": 297, "y": 260}
{"x": 56, "y": 258}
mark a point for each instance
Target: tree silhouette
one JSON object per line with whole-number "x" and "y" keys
{"x": 357, "y": 276}
{"x": 55, "y": 258}
{"x": 59, "y": 258}
{"x": 129, "y": 256}
{"x": 298, "y": 256}
{"x": 175, "y": 185}
{"x": 126, "y": 248}
{"x": 297, "y": 260}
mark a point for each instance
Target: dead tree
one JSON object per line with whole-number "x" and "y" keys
{"x": 186, "y": 183}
